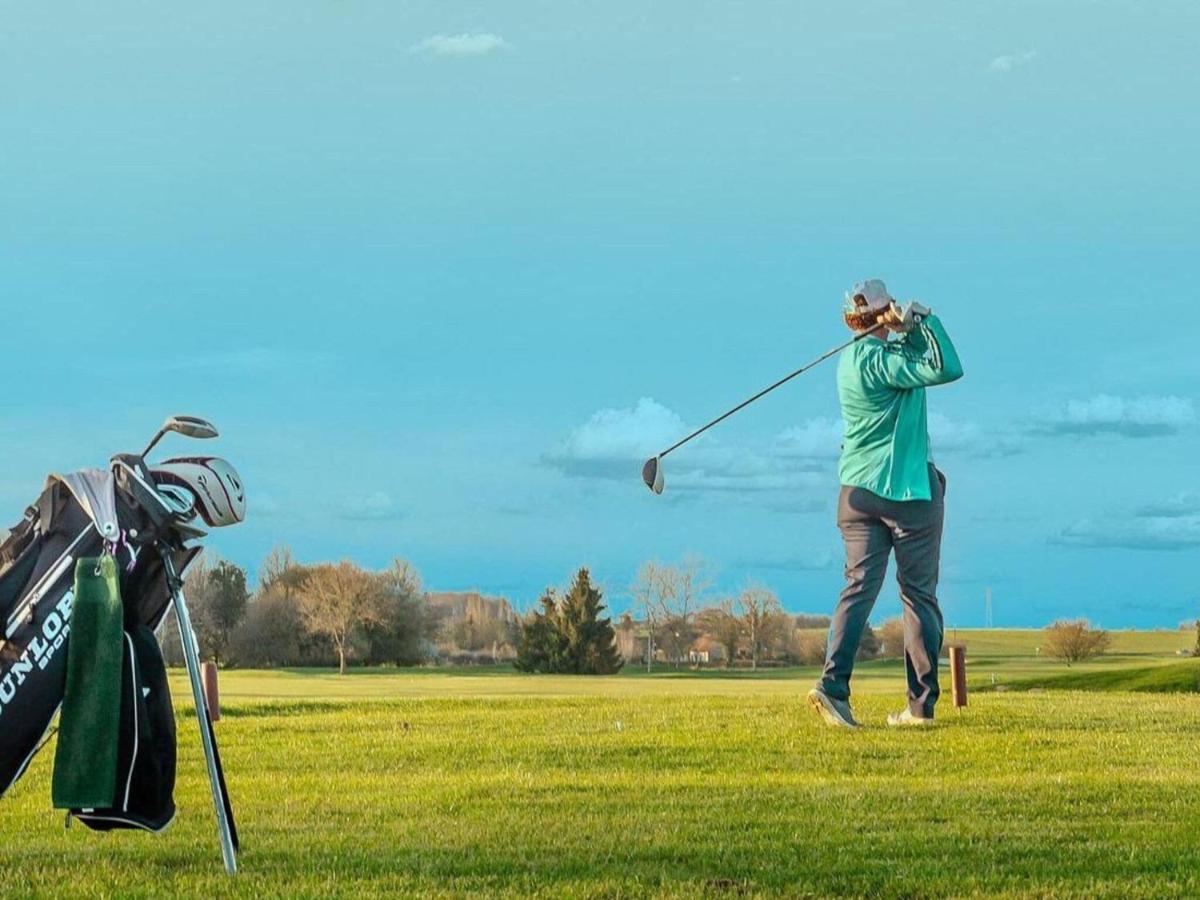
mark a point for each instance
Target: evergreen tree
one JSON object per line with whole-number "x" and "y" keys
{"x": 542, "y": 645}
{"x": 590, "y": 642}
{"x": 569, "y": 636}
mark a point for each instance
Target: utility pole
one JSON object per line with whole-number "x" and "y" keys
{"x": 987, "y": 613}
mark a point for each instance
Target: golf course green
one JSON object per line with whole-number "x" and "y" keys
{"x": 678, "y": 784}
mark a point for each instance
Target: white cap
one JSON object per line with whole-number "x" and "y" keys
{"x": 873, "y": 290}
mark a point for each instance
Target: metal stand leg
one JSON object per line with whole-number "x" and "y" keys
{"x": 191, "y": 657}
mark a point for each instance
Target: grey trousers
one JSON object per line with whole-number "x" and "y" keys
{"x": 872, "y": 527}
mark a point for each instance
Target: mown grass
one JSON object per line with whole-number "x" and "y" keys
{"x": 488, "y": 783}
{"x": 1172, "y": 677}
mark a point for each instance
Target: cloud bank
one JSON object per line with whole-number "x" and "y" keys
{"x": 478, "y": 43}
{"x": 1172, "y": 524}
{"x": 1135, "y": 417}
{"x": 613, "y": 443}
{"x": 1179, "y": 506}
{"x": 1134, "y": 533}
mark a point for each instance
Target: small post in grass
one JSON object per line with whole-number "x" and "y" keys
{"x": 958, "y": 674}
{"x": 208, "y": 675}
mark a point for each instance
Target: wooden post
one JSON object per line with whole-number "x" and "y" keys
{"x": 958, "y": 674}
{"x": 208, "y": 674}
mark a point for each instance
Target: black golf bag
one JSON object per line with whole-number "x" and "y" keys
{"x": 37, "y": 569}
{"x": 124, "y": 512}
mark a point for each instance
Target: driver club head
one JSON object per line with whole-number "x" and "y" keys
{"x": 652, "y": 475}
{"x": 191, "y": 426}
{"x": 188, "y": 426}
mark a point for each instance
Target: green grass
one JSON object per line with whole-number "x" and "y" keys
{"x": 1026, "y": 641}
{"x": 484, "y": 782}
{"x": 1172, "y": 677}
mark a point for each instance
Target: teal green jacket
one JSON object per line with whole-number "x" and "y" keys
{"x": 881, "y": 385}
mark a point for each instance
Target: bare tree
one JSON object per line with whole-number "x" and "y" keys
{"x": 722, "y": 624}
{"x": 670, "y": 596}
{"x": 1075, "y": 640}
{"x": 280, "y": 573}
{"x": 338, "y": 600}
{"x": 757, "y": 607}
{"x": 685, "y": 586}
{"x": 650, "y": 590}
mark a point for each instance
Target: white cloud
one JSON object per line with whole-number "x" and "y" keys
{"x": 613, "y": 444}
{"x": 819, "y": 438}
{"x": 966, "y": 438}
{"x": 478, "y": 43}
{"x": 1009, "y": 61}
{"x": 1129, "y": 417}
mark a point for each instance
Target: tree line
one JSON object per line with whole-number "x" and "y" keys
{"x": 342, "y": 614}
{"x": 328, "y": 614}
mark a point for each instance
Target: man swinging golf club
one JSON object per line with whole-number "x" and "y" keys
{"x": 891, "y": 496}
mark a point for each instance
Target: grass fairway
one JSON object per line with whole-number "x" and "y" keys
{"x": 450, "y": 784}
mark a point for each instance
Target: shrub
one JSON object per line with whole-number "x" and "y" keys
{"x": 809, "y": 647}
{"x": 1075, "y": 640}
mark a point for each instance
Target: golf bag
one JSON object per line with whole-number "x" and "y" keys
{"x": 125, "y": 512}
{"x": 37, "y": 568}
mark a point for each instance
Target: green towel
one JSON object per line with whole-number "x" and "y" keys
{"x": 85, "y": 761}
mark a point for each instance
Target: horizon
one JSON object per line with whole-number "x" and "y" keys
{"x": 445, "y": 277}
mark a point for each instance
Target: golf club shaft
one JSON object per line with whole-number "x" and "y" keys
{"x": 765, "y": 391}
{"x": 187, "y": 638}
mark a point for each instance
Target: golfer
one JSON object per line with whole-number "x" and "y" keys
{"x": 891, "y": 495}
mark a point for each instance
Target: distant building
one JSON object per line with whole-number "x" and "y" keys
{"x": 631, "y": 639}
{"x": 705, "y": 651}
{"x": 472, "y": 628}
{"x": 470, "y": 604}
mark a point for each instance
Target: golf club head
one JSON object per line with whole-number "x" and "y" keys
{"x": 191, "y": 426}
{"x": 652, "y": 475}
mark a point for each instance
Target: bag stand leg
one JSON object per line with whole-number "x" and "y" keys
{"x": 216, "y": 778}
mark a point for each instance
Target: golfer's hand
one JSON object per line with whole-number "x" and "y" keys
{"x": 903, "y": 318}
{"x": 914, "y": 311}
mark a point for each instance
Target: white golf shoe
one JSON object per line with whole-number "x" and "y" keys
{"x": 906, "y": 719}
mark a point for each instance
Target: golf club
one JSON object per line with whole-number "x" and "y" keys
{"x": 188, "y": 426}
{"x": 652, "y": 473}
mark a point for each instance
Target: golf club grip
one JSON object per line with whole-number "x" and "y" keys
{"x": 782, "y": 381}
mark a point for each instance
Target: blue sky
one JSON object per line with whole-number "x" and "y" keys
{"x": 446, "y": 273}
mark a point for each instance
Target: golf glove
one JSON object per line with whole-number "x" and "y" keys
{"x": 903, "y": 318}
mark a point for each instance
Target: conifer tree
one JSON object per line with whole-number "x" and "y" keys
{"x": 590, "y": 642}
{"x": 542, "y": 646}
{"x": 568, "y": 635}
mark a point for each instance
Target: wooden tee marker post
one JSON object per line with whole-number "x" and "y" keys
{"x": 958, "y": 674}
{"x": 208, "y": 675}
